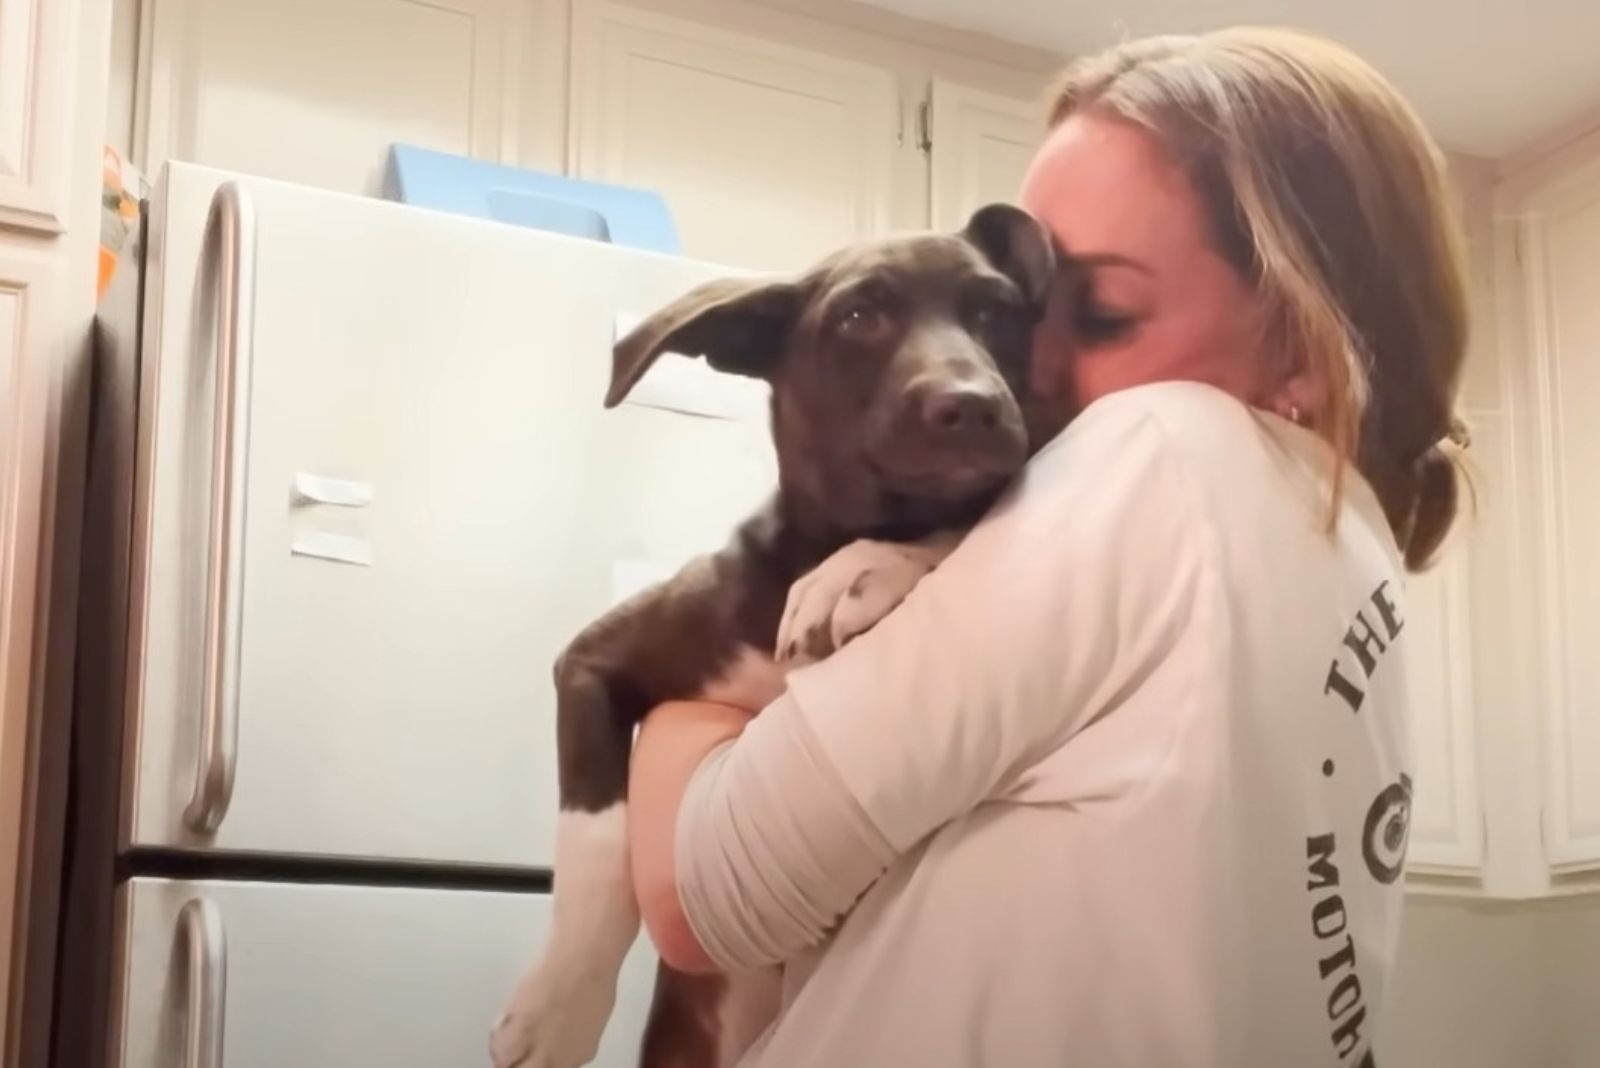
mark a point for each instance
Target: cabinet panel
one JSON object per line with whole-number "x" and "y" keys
{"x": 982, "y": 145}
{"x": 769, "y": 156}
{"x": 26, "y": 316}
{"x": 315, "y": 91}
{"x": 34, "y": 124}
{"x": 1561, "y": 251}
{"x": 1446, "y": 825}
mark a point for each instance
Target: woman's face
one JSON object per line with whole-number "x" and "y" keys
{"x": 1153, "y": 299}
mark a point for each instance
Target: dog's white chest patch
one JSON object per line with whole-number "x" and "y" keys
{"x": 753, "y": 680}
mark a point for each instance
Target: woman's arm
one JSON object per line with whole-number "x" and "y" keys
{"x": 1072, "y": 595}
{"x": 673, "y": 742}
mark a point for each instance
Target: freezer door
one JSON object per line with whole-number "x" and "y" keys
{"x": 346, "y": 650}
{"x": 264, "y": 975}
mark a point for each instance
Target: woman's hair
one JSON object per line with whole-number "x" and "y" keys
{"x": 1324, "y": 190}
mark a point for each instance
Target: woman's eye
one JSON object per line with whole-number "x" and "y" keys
{"x": 1100, "y": 325}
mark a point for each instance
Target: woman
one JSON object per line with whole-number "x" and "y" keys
{"x": 1124, "y": 782}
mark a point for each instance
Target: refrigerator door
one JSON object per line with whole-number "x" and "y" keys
{"x": 262, "y": 975}
{"x": 348, "y": 591}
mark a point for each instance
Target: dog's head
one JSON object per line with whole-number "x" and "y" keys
{"x": 896, "y": 368}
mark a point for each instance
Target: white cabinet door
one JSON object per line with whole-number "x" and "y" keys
{"x": 768, "y": 156}
{"x": 982, "y": 144}
{"x": 36, "y": 67}
{"x": 1446, "y": 834}
{"x": 394, "y": 660}
{"x": 1560, "y": 253}
{"x": 315, "y": 91}
{"x": 330, "y": 976}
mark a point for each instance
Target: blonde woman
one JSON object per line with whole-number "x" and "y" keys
{"x": 1124, "y": 783}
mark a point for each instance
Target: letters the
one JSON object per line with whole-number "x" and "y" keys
{"x": 1367, "y": 646}
{"x": 1388, "y": 612}
{"x": 1360, "y": 639}
{"x": 1337, "y": 683}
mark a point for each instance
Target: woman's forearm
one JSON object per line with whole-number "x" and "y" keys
{"x": 673, "y": 741}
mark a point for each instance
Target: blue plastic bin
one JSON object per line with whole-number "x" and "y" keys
{"x": 635, "y": 218}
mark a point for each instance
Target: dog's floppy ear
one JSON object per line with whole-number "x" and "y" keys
{"x": 740, "y": 325}
{"x": 1017, "y": 245}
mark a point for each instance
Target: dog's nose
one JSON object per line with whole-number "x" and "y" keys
{"x": 958, "y": 411}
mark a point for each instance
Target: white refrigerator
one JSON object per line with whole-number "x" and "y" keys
{"x": 350, "y": 489}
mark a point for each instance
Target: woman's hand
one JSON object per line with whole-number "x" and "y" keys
{"x": 673, "y": 740}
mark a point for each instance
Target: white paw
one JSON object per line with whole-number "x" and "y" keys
{"x": 849, "y": 592}
{"x": 552, "y": 1021}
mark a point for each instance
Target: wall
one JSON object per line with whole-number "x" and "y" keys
{"x": 1569, "y": 935}
{"x": 1495, "y": 986}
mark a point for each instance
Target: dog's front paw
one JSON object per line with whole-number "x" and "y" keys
{"x": 848, "y": 593}
{"x": 552, "y": 1021}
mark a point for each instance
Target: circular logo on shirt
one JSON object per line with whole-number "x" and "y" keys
{"x": 1383, "y": 842}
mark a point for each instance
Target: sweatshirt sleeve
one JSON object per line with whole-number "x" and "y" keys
{"x": 1078, "y": 586}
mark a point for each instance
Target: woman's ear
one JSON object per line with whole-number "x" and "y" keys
{"x": 1295, "y": 398}
{"x": 739, "y": 325}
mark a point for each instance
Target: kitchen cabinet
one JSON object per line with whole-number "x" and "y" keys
{"x": 1552, "y": 222}
{"x": 36, "y": 80}
{"x": 1507, "y": 712}
{"x": 980, "y": 145}
{"x": 770, "y": 156}
{"x": 314, "y": 91}
{"x": 820, "y": 136}
{"x": 1446, "y": 822}
{"x": 52, "y": 79}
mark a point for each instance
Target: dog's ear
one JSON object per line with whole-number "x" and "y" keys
{"x": 1017, "y": 245}
{"x": 739, "y": 325}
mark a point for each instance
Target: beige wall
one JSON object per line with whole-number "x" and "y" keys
{"x": 1502, "y": 986}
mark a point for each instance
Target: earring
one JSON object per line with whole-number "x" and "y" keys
{"x": 1296, "y": 416}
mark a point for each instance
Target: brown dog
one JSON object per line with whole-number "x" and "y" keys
{"x": 896, "y": 370}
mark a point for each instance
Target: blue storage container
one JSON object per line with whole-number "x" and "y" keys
{"x": 635, "y": 218}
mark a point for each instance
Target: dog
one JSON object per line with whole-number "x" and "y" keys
{"x": 900, "y": 409}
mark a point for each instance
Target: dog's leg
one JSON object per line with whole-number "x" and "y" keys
{"x": 745, "y": 1010}
{"x": 558, "y": 1013}
{"x": 708, "y": 1021}
{"x": 682, "y": 1028}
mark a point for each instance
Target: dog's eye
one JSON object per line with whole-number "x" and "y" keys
{"x": 862, "y": 322}
{"x": 987, "y": 312}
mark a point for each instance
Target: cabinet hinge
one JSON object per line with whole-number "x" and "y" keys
{"x": 925, "y": 126}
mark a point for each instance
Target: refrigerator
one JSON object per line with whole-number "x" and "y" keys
{"x": 350, "y": 489}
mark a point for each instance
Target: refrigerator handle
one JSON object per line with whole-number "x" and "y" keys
{"x": 204, "y": 947}
{"x": 230, "y": 247}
